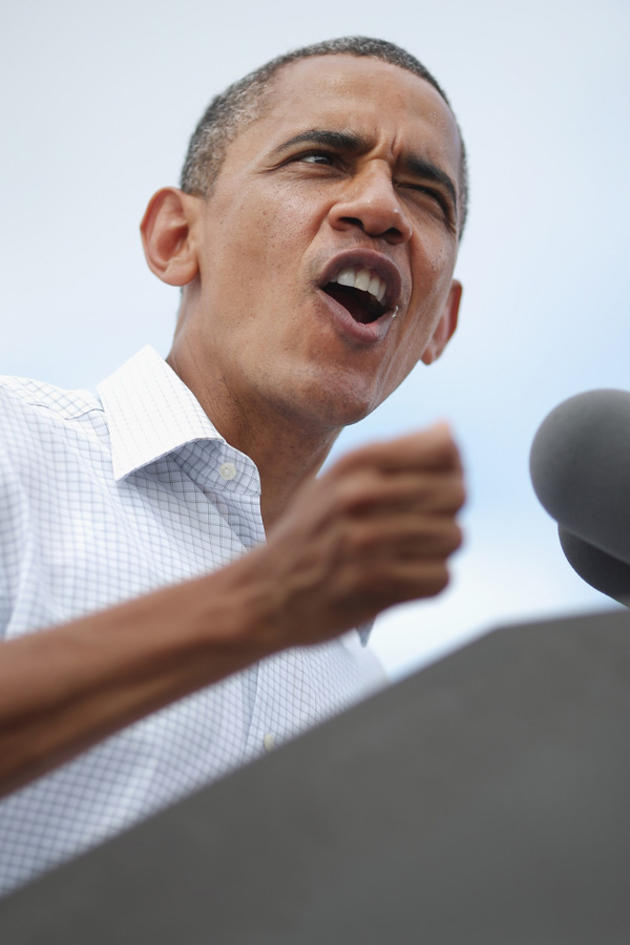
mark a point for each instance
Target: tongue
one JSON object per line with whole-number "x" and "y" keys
{"x": 358, "y": 303}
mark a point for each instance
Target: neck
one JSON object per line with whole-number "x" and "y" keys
{"x": 286, "y": 451}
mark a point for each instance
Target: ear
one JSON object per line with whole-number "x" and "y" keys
{"x": 446, "y": 325}
{"x": 166, "y": 236}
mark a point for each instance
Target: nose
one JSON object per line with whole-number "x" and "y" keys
{"x": 370, "y": 202}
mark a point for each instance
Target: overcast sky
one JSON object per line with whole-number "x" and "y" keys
{"x": 98, "y": 102}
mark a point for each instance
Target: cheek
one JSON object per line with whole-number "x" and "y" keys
{"x": 411, "y": 350}
{"x": 433, "y": 265}
{"x": 267, "y": 242}
{"x": 417, "y": 331}
{"x": 433, "y": 276}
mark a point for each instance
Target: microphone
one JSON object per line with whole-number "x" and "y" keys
{"x": 580, "y": 470}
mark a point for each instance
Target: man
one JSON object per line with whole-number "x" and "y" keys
{"x": 314, "y": 240}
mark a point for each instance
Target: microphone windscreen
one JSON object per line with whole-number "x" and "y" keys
{"x": 580, "y": 468}
{"x": 603, "y": 572}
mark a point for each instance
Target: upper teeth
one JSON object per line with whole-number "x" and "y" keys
{"x": 362, "y": 279}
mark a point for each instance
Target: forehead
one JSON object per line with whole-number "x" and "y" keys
{"x": 378, "y": 100}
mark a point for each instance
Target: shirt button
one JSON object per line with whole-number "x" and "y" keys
{"x": 227, "y": 471}
{"x": 269, "y": 741}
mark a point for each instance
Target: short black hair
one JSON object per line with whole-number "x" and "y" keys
{"x": 240, "y": 103}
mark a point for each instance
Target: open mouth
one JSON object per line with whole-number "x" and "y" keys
{"x": 361, "y": 291}
{"x": 363, "y": 306}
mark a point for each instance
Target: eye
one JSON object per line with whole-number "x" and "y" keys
{"x": 316, "y": 157}
{"x": 436, "y": 196}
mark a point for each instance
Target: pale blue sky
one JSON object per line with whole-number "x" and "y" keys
{"x": 97, "y": 106}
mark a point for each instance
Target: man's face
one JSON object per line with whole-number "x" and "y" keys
{"x": 347, "y": 175}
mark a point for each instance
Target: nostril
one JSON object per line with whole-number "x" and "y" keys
{"x": 374, "y": 228}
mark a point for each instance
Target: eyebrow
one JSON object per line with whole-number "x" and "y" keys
{"x": 355, "y": 144}
{"x": 344, "y": 140}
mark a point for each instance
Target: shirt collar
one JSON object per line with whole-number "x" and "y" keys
{"x": 149, "y": 412}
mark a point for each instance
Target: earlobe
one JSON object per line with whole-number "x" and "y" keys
{"x": 166, "y": 236}
{"x": 446, "y": 326}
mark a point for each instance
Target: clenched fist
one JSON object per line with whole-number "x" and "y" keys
{"x": 375, "y": 530}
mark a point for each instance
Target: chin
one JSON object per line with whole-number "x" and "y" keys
{"x": 334, "y": 406}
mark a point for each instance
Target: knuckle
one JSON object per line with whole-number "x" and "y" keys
{"x": 460, "y": 495}
{"x": 431, "y": 579}
{"x": 454, "y": 495}
{"x": 444, "y": 538}
{"x": 439, "y": 579}
{"x": 342, "y": 495}
{"x": 363, "y": 540}
{"x": 456, "y": 537}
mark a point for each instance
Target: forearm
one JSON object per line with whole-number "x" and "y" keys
{"x": 64, "y": 689}
{"x": 376, "y": 530}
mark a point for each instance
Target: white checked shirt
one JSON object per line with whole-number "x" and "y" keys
{"x": 103, "y": 498}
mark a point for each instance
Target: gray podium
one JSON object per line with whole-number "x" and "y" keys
{"x": 483, "y": 801}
